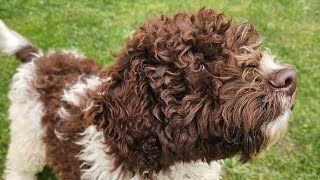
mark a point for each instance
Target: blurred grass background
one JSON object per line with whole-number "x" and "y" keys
{"x": 291, "y": 29}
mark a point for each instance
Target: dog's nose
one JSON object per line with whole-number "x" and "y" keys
{"x": 284, "y": 80}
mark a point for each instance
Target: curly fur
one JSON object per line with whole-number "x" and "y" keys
{"x": 159, "y": 109}
{"x": 184, "y": 89}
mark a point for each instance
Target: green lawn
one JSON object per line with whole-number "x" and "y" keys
{"x": 291, "y": 29}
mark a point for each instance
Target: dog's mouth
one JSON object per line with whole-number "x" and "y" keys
{"x": 288, "y": 101}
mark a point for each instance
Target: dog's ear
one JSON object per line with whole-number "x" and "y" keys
{"x": 122, "y": 101}
{"x": 122, "y": 109}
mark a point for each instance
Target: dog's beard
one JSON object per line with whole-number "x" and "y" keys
{"x": 275, "y": 130}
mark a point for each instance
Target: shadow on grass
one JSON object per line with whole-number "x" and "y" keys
{"x": 46, "y": 174}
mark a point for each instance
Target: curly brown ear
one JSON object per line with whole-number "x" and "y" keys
{"x": 121, "y": 108}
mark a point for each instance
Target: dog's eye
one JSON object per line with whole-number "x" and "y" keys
{"x": 198, "y": 67}
{"x": 251, "y": 66}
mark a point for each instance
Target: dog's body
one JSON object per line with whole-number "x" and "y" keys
{"x": 183, "y": 91}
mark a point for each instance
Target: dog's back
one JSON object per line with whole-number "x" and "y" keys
{"x": 41, "y": 91}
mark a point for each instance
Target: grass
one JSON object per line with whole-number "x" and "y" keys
{"x": 291, "y": 29}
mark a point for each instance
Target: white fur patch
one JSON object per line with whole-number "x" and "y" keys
{"x": 267, "y": 64}
{"x": 94, "y": 155}
{"x": 276, "y": 129}
{"x": 75, "y": 94}
{"x": 193, "y": 170}
{"x": 26, "y": 155}
{"x": 10, "y": 41}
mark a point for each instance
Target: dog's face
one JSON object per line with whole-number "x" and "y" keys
{"x": 205, "y": 91}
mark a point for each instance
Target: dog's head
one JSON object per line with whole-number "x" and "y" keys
{"x": 193, "y": 87}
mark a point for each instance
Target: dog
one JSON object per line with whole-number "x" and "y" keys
{"x": 184, "y": 93}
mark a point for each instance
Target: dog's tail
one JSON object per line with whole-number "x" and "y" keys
{"x": 12, "y": 43}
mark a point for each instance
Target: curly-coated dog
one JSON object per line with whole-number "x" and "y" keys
{"x": 185, "y": 92}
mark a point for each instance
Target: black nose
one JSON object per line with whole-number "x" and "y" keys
{"x": 284, "y": 80}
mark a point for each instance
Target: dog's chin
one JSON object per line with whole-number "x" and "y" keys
{"x": 276, "y": 129}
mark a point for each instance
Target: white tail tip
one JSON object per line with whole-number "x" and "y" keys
{"x": 10, "y": 41}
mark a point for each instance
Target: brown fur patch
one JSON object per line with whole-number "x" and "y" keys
{"x": 56, "y": 72}
{"x": 26, "y": 53}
